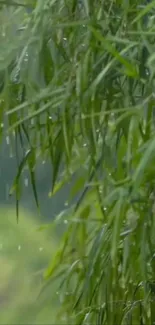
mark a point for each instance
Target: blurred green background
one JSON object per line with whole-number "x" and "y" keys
{"x": 25, "y": 252}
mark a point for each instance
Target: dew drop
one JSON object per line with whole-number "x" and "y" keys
{"x": 85, "y": 145}
{"x": 104, "y": 208}
{"x": 64, "y": 38}
{"x": 19, "y": 247}
{"x": 65, "y": 222}
{"x": 40, "y": 249}
{"x": 66, "y": 204}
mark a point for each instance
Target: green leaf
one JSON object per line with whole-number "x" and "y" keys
{"x": 15, "y": 186}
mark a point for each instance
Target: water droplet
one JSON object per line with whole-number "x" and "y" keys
{"x": 104, "y": 208}
{"x": 43, "y": 162}
{"x": 2, "y": 125}
{"x": 100, "y": 190}
{"x": 65, "y": 222}
{"x": 85, "y": 145}
{"x": 26, "y": 57}
{"x": 109, "y": 174}
{"x": 64, "y": 38}
{"x": 7, "y": 140}
{"x": 40, "y": 249}
{"x": 84, "y": 25}
{"x": 147, "y": 72}
{"x": 50, "y": 117}
{"x": 66, "y": 204}
{"x": 19, "y": 247}
{"x": 57, "y": 293}
{"x": 98, "y": 130}
{"x": 26, "y": 182}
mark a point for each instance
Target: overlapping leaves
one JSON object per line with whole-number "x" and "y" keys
{"x": 82, "y": 96}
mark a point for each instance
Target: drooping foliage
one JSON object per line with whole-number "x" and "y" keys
{"x": 77, "y": 88}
